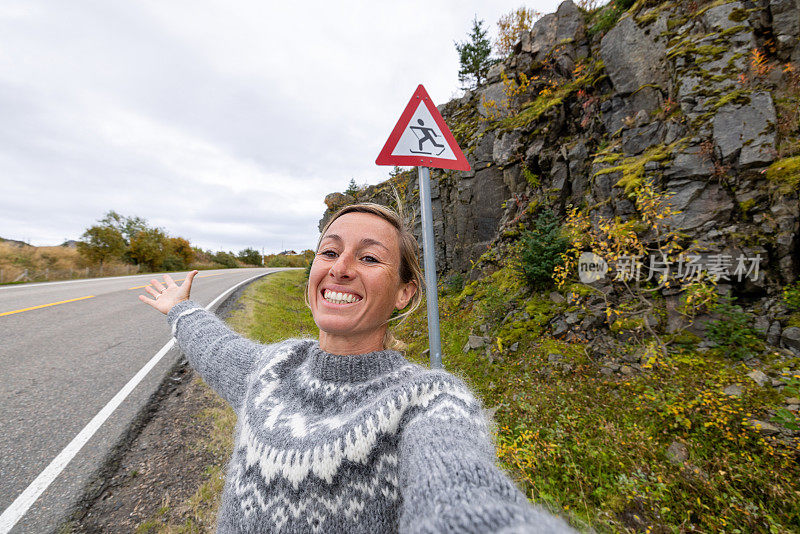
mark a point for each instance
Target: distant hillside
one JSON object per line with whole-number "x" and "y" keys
{"x": 14, "y": 242}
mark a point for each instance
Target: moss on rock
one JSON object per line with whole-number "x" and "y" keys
{"x": 785, "y": 174}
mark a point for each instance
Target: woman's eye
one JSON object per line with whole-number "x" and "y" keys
{"x": 370, "y": 259}
{"x": 328, "y": 253}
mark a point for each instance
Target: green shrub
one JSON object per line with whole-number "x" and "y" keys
{"x": 173, "y": 263}
{"x": 251, "y": 256}
{"x": 453, "y": 284}
{"x": 607, "y": 16}
{"x": 732, "y": 331}
{"x": 791, "y": 296}
{"x": 782, "y": 415}
{"x": 541, "y": 251}
{"x": 226, "y": 259}
{"x": 286, "y": 260}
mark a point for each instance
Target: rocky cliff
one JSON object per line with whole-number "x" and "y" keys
{"x": 700, "y": 98}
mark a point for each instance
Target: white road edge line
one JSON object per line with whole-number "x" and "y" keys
{"x": 84, "y": 280}
{"x": 22, "y": 504}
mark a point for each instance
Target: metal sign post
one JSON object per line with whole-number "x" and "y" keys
{"x": 429, "y": 263}
{"x": 422, "y": 139}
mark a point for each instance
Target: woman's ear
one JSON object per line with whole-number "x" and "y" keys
{"x": 405, "y": 294}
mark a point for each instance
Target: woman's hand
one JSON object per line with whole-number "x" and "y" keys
{"x": 167, "y": 295}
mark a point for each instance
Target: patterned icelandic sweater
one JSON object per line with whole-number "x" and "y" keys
{"x": 367, "y": 443}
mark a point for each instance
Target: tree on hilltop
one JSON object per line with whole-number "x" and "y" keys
{"x": 101, "y": 243}
{"x": 251, "y": 256}
{"x": 127, "y": 226}
{"x": 148, "y": 247}
{"x": 474, "y": 56}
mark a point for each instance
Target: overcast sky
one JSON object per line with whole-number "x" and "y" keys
{"x": 225, "y": 123}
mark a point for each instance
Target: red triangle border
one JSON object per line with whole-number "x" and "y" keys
{"x": 386, "y": 157}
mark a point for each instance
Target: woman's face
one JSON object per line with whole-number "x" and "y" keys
{"x": 354, "y": 285}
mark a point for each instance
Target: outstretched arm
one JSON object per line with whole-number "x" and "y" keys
{"x": 221, "y": 356}
{"x": 449, "y": 479}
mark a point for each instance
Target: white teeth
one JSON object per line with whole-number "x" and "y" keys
{"x": 338, "y": 297}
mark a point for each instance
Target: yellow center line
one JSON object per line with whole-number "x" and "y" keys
{"x": 44, "y": 305}
{"x": 181, "y": 280}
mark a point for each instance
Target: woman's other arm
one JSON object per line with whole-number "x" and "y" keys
{"x": 449, "y": 479}
{"x": 221, "y": 356}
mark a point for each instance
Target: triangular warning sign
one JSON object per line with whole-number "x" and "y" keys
{"x": 422, "y": 139}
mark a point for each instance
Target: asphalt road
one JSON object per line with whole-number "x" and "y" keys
{"x": 61, "y": 364}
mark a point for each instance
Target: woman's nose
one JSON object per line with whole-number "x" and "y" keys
{"x": 342, "y": 267}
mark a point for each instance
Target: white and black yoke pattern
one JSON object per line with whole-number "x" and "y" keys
{"x": 366, "y": 443}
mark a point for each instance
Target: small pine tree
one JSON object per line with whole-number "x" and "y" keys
{"x": 542, "y": 249}
{"x": 474, "y": 56}
{"x": 352, "y": 189}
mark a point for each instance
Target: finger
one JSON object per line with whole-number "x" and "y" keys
{"x": 147, "y": 301}
{"x": 158, "y": 285}
{"x": 152, "y": 291}
{"x": 170, "y": 282}
{"x": 189, "y": 279}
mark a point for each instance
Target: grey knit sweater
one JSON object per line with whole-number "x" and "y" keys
{"x": 367, "y": 443}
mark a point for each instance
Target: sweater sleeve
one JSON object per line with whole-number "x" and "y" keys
{"x": 449, "y": 479}
{"x": 222, "y": 357}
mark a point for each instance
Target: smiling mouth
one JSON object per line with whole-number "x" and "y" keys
{"x": 337, "y": 297}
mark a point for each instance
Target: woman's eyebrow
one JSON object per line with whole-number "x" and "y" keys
{"x": 370, "y": 241}
{"x": 364, "y": 242}
{"x": 335, "y": 237}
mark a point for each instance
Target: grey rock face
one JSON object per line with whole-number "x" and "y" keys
{"x": 786, "y": 27}
{"x": 774, "y": 333}
{"x": 637, "y": 140}
{"x": 764, "y": 427}
{"x": 790, "y": 338}
{"x": 506, "y": 147}
{"x": 761, "y": 325}
{"x": 484, "y": 150}
{"x": 734, "y": 390}
{"x": 559, "y": 327}
{"x": 758, "y": 377}
{"x": 748, "y": 129}
{"x": 635, "y": 56}
{"x": 494, "y": 93}
{"x": 722, "y": 17}
{"x": 514, "y": 179}
{"x": 618, "y": 109}
{"x": 699, "y": 203}
{"x": 560, "y": 33}
{"x": 476, "y": 342}
{"x": 494, "y": 73}
{"x": 626, "y": 113}
{"x": 689, "y": 163}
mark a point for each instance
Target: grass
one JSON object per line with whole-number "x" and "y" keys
{"x": 272, "y": 310}
{"x": 44, "y": 262}
{"x": 62, "y": 263}
{"x": 595, "y": 447}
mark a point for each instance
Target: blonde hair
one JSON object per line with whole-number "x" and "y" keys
{"x": 410, "y": 269}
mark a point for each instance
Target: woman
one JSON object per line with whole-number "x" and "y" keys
{"x": 343, "y": 434}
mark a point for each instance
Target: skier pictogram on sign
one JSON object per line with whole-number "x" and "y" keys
{"x": 424, "y": 134}
{"x": 421, "y": 138}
